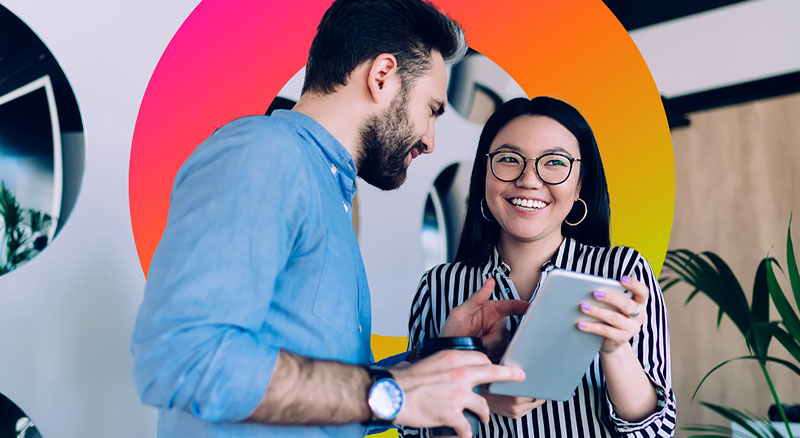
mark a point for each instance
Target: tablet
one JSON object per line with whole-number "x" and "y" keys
{"x": 548, "y": 345}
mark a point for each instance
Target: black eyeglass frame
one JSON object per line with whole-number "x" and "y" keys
{"x": 535, "y": 165}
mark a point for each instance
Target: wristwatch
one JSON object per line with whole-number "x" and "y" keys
{"x": 385, "y": 398}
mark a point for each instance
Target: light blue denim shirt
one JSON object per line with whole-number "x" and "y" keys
{"x": 258, "y": 255}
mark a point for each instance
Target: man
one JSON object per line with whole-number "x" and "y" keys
{"x": 256, "y": 317}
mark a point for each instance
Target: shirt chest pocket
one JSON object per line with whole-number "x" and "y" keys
{"x": 336, "y": 302}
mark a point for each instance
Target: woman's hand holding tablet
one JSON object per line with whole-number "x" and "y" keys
{"x": 547, "y": 344}
{"x": 621, "y": 320}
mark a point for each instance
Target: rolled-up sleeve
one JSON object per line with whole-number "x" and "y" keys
{"x": 652, "y": 347}
{"x": 230, "y": 231}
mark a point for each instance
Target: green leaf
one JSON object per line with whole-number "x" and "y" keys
{"x": 9, "y": 209}
{"x": 683, "y": 262}
{"x": 737, "y": 417}
{"x": 759, "y": 339}
{"x": 713, "y": 430}
{"x": 790, "y": 319}
{"x": 760, "y": 305}
{"x": 39, "y": 221}
{"x": 667, "y": 283}
{"x": 707, "y": 435}
{"x": 792, "y": 345}
{"x": 715, "y": 280}
{"x": 791, "y": 265}
{"x": 783, "y": 362}
{"x": 732, "y": 298}
{"x": 691, "y": 295}
{"x": 677, "y": 264}
{"x": 762, "y": 330}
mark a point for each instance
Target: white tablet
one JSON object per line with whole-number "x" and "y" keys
{"x": 548, "y": 345}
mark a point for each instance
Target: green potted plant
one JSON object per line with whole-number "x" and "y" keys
{"x": 708, "y": 274}
{"x": 23, "y": 232}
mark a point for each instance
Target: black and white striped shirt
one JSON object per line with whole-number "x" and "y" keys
{"x": 589, "y": 413}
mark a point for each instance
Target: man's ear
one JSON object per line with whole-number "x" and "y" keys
{"x": 383, "y": 80}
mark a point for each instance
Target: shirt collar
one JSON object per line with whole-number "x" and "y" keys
{"x": 332, "y": 149}
{"x": 569, "y": 246}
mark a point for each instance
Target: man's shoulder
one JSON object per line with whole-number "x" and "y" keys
{"x": 254, "y": 146}
{"x": 262, "y": 133}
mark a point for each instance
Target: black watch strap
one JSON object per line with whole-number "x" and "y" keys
{"x": 376, "y": 373}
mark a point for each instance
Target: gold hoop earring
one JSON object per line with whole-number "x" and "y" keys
{"x": 585, "y": 212}
{"x": 483, "y": 213}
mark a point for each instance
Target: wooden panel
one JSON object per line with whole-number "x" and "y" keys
{"x": 737, "y": 175}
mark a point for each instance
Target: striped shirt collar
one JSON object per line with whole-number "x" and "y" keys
{"x": 569, "y": 249}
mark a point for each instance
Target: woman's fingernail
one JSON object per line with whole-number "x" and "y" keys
{"x": 585, "y": 306}
{"x": 599, "y": 294}
{"x": 582, "y": 324}
{"x": 626, "y": 279}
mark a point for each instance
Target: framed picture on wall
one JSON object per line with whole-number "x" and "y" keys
{"x": 30, "y": 148}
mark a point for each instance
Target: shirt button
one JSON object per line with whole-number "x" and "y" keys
{"x": 346, "y": 208}
{"x": 334, "y": 169}
{"x": 359, "y": 328}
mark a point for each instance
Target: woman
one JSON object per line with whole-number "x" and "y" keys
{"x": 538, "y": 198}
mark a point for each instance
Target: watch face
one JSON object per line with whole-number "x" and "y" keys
{"x": 386, "y": 399}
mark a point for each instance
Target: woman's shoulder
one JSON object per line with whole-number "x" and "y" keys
{"x": 620, "y": 259}
{"x": 448, "y": 270}
{"x": 611, "y": 251}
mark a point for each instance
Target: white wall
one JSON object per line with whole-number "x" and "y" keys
{"x": 66, "y": 317}
{"x": 738, "y": 43}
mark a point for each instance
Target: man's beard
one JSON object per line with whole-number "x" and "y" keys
{"x": 385, "y": 144}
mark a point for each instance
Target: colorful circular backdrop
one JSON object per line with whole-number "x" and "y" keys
{"x": 231, "y": 57}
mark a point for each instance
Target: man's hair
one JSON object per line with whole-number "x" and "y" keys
{"x": 355, "y": 31}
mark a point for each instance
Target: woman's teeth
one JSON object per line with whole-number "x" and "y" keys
{"x": 528, "y": 204}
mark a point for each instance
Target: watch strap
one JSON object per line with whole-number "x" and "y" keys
{"x": 377, "y": 372}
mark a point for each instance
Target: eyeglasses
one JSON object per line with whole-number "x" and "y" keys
{"x": 552, "y": 168}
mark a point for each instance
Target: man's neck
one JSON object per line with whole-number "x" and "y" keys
{"x": 339, "y": 114}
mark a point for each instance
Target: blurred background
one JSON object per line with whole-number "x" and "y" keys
{"x": 728, "y": 73}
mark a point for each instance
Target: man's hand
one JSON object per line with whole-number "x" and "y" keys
{"x": 510, "y": 406}
{"x": 484, "y": 318}
{"x": 439, "y": 388}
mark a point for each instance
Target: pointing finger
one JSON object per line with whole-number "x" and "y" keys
{"x": 483, "y": 294}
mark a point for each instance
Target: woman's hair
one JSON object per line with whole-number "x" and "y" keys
{"x": 479, "y": 236}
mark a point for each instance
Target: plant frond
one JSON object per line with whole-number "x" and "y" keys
{"x": 788, "y": 315}
{"x": 791, "y": 265}
{"x": 783, "y": 362}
